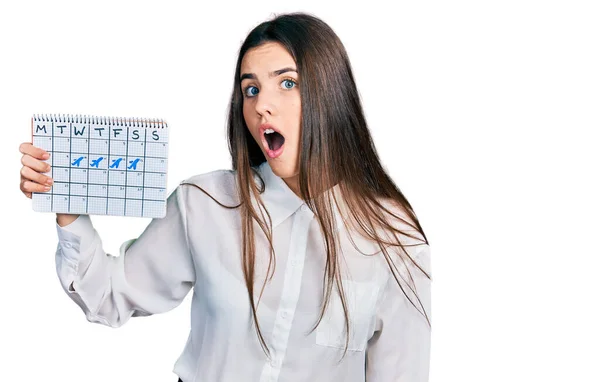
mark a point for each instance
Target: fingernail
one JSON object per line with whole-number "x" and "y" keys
{"x": 49, "y": 181}
{"x": 47, "y": 188}
{"x": 46, "y": 156}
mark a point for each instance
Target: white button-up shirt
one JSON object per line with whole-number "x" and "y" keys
{"x": 198, "y": 245}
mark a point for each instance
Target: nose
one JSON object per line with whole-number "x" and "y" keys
{"x": 266, "y": 103}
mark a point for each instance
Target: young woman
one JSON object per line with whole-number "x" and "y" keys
{"x": 306, "y": 261}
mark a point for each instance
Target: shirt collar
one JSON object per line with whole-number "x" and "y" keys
{"x": 281, "y": 201}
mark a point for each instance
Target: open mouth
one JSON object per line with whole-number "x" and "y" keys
{"x": 274, "y": 139}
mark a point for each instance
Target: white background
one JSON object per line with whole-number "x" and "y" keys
{"x": 485, "y": 113}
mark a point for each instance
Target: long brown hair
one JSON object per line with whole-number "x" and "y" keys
{"x": 337, "y": 149}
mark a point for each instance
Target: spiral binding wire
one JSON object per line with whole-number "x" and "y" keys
{"x": 102, "y": 120}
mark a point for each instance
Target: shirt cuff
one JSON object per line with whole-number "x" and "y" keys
{"x": 77, "y": 235}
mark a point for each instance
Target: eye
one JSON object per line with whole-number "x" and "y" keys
{"x": 250, "y": 91}
{"x": 288, "y": 83}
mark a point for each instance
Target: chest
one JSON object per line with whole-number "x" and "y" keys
{"x": 294, "y": 277}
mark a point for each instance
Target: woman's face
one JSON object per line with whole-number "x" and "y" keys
{"x": 269, "y": 86}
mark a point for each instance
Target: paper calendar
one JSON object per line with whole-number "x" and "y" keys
{"x": 103, "y": 165}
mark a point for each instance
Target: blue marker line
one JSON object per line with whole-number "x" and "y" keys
{"x": 133, "y": 163}
{"x": 77, "y": 161}
{"x": 96, "y": 162}
{"x": 116, "y": 163}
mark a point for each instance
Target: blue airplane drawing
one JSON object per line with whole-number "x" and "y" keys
{"x": 133, "y": 163}
{"x": 77, "y": 161}
{"x": 96, "y": 162}
{"x": 116, "y": 163}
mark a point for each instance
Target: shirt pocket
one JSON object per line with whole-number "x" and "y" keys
{"x": 361, "y": 299}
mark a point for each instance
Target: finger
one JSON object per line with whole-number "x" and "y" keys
{"x": 27, "y": 173}
{"x": 35, "y": 164}
{"x": 36, "y": 152}
{"x": 29, "y": 186}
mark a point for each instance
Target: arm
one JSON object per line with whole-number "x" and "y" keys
{"x": 153, "y": 273}
{"x": 65, "y": 219}
{"x": 400, "y": 349}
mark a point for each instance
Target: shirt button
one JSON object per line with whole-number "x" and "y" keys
{"x": 284, "y": 314}
{"x": 68, "y": 245}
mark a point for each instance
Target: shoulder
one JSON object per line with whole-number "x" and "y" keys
{"x": 220, "y": 184}
{"x": 212, "y": 177}
{"x": 403, "y": 219}
{"x": 399, "y": 264}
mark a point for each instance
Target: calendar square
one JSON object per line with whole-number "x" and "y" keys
{"x": 154, "y": 207}
{"x": 60, "y": 174}
{"x": 116, "y": 207}
{"x": 117, "y": 177}
{"x": 99, "y": 190}
{"x": 61, "y": 159}
{"x": 78, "y": 189}
{"x": 134, "y": 192}
{"x": 60, "y": 188}
{"x": 98, "y": 176}
{"x": 60, "y": 202}
{"x": 137, "y": 149}
{"x": 133, "y": 207}
{"x": 98, "y": 146}
{"x": 154, "y": 194}
{"x": 42, "y": 202}
{"x": 79, "y": 175}
{"x": 78, "y": 204}
{"x": 43, "y": 142}
{"x": 158, "y": 165}
{"x": 61, "y": 144}
{"x": 135, "y": 178}
{"x": 118, "y": 147}
{"x": 116, "y": 191}
{"x": 154, "y": 179}
{"x": 157, "y": 150}
{"x": 80, "y": 145}
{"x": 97, "y": 206}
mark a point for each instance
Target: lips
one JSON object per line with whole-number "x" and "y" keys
{"x": 272, "y": 142}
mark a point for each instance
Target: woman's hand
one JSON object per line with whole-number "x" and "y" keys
{"x": 32, "y": 177}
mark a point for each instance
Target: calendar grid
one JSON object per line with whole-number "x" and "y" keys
{"x": 103, "y": 165}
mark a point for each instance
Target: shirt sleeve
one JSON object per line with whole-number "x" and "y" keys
{"x": 399, "y": 351}
{"x": 152, "y": 273}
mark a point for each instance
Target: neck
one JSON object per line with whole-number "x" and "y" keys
{"x": 293, "y": 184}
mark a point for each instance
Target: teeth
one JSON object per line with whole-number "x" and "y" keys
{"x": 269, "y": 131}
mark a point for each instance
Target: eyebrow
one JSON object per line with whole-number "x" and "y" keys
{"x": 272, "y": 74}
